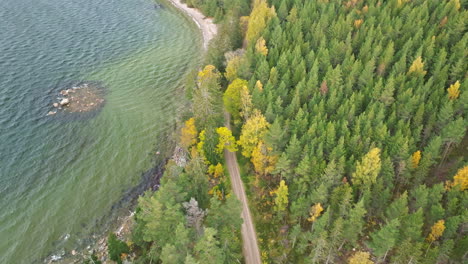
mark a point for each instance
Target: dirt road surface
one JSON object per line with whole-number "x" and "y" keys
{"x": 249, "y": 237}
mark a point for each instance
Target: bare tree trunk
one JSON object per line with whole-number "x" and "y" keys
{"x": 385, "y": 256}
{"x": 428, "y": 249}
{"x": 342, "y": 244}
{"x": 446, "y": 151}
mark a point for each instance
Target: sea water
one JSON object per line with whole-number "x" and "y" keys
{"x": 60, "y": 175}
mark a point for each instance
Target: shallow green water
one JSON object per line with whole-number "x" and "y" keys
{"x": 61, "y": 176}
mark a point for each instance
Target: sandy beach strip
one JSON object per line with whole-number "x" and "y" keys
{"x": 206, "y": 25}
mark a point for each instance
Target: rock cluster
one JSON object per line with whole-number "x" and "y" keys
{"x": 78, "y": 99}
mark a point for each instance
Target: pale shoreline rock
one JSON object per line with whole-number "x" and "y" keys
{"x": 208, "y": 28}
{"x": 64, "y": 101}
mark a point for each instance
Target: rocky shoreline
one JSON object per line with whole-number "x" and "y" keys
{"x": 123, "y": 224}
{"x": 150, "y": 179}
{"x": 98, "y": 249}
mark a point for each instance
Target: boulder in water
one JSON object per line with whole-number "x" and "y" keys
{"x": 64, "y": 101}
{"x": 56, "y": 105}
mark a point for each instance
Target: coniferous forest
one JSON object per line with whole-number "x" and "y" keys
{"x": 349, "y": 122}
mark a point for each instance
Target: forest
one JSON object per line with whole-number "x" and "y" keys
{"x": 349, "y": 122}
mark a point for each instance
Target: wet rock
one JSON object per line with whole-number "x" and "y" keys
{"x": 56, "y": 105}
{"x": 51, "y": 113}
{"x": 64, "y": 101}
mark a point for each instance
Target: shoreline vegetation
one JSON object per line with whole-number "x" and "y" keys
{"x": 122, "y": 227}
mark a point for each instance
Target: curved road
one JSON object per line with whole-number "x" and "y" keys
{"x": 249, "y": 237}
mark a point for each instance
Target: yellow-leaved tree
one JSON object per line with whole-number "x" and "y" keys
{"x": 189, "y": 133}
{"x": 315, "y": 212}
{"x": 252, "y": 132}
{"x": 358, "y": 23}
{"x": 258, "y": 19}
{"x": 216, "y": 171}
{"x": 259, "y": 85}
{"x": 246, "y": 103}
{"x": 201, "y": 143}
{"x": 232, "y": 97}
{"x": 456, "y": 3}
{"x": 226, "y": 140}
{"x": 401, "y": 2}
{"x": 281, "y": 199}
{"x": 436, "y": 231}
{"x": 454, "y": 91}
{"x": 262, "y": 158}
{"x": 415, "y": 158}
{"x": 261, "y": 47}
{"x": 207, "y": 74}
{"x": 417, "y": 67}
{"x": 360, "y": 258}
{"x": 367, "y": 169}
{"x": 460, "y": 179}
{"x": 232, "y": 68}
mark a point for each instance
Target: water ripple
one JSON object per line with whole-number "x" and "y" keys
{"x": 61, "y": 175}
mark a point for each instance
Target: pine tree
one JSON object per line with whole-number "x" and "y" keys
{"x": 207, "y": 248}
{"x": 384, "y": 239}
{"x": 398, "y": 208}
{"x": 355, "y": 223}
{"x": 407, "y": 252}
{"x": 169, "y": 254}
{"x": 411, "y": 226}
{"x": 206, "y": 104}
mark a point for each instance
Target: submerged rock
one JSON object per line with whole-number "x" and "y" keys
{"x": 82, "y": 98}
